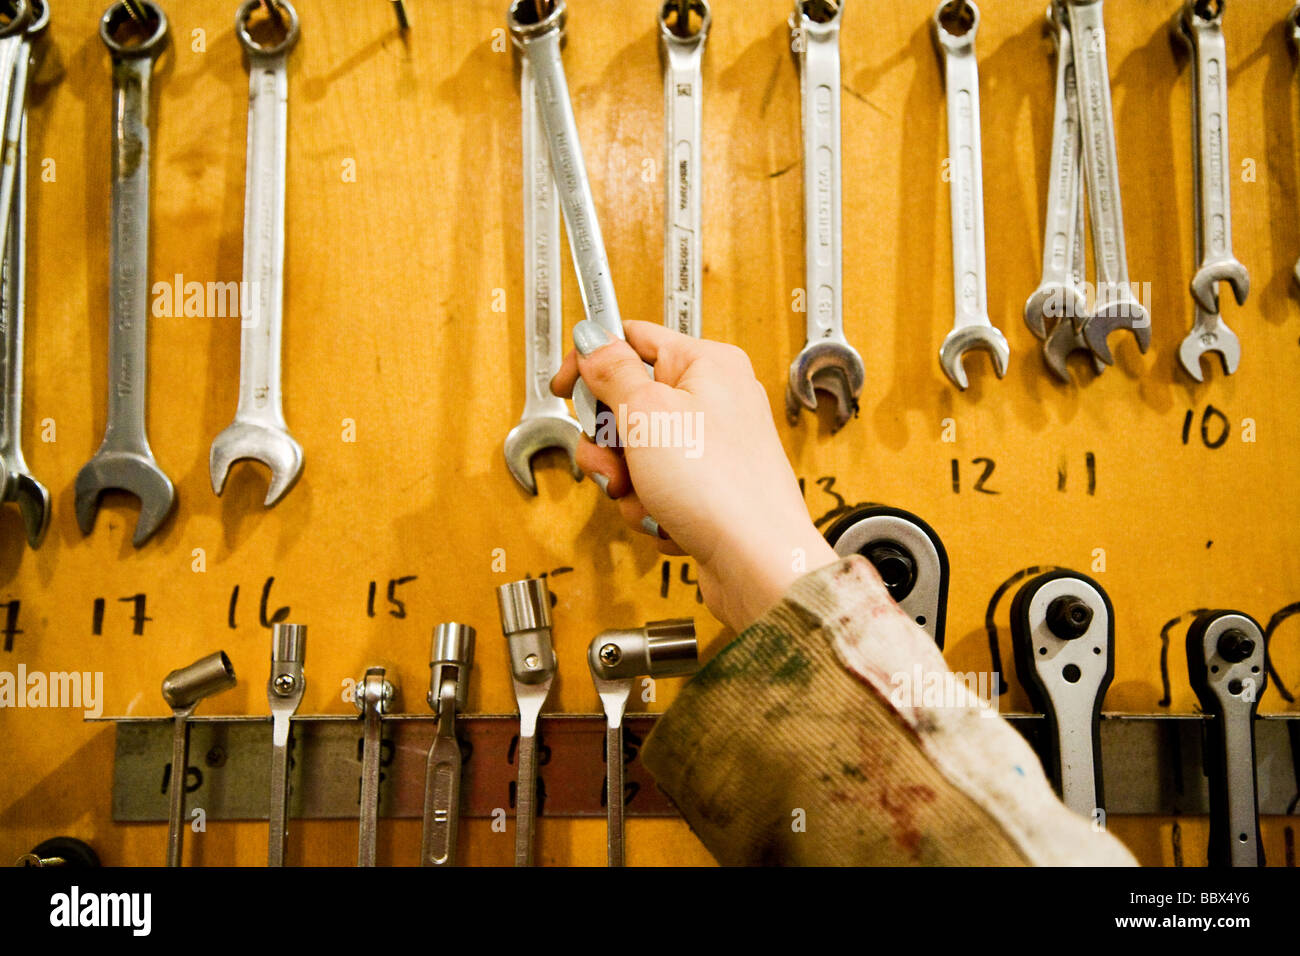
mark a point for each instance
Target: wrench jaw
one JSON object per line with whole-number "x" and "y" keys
{"x": 1202, "y": 341}
{"x": 1061, "y": 344}
{"x": 1118, "y": 315}
{"x": 537, "y": 434}
{"x": 33, "y": 500}
{"x": 133, "y": 472}
{"x": 832, "y": 367}
{"x": 1204, "y": 284}
{"x": 959, "y": 341}
{"x": 1054, "y": 301}
{"x": 245, "y": 441}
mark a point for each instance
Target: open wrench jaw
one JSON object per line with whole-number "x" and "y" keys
{"x": 832, "y": 367}
{"x": 537, "y": 434}
{"x": 961, "y": 340}
{"x": 33, "y": 500}
{"x": 1205, "y": 338}
{"x": 1063, "y": 342}
{"x": 130, "y": 471}
{"x": 248, "y": 441}
{"x": 1125, "y": 314}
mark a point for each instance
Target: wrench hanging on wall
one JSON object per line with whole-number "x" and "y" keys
{"x": 827, "y": 363}
{"x": 1226, "y": 662}
{"x": 259, "y": 432}
{"x": 955, "y": 25}
{"x": 682, "y": 50}
{"x": 124, "y": 461}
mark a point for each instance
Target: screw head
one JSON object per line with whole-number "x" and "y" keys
{"x": 284, "y": 684}
{"x": 1235, "y": 645}
{"x": 532, "y": 662}
{"x": 1069, "y": 617}
{"x": 610, "y": 654}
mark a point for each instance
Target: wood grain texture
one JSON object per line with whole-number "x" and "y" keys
{"x": 392, "y": 280}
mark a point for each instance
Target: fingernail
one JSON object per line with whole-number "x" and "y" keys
{"x": 650, "y": 526}
{"x": 602, "y": 481}
{"x": 589, "y": 336}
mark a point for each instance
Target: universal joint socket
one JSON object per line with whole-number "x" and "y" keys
{"x": 525, "y": 608}
{"x": 288, "y": 650}
{"x": 660, "y": 649}
{"x": 450, "y": 659}
{"x": 184, "y": 687}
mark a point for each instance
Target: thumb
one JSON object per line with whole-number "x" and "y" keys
{"x": 610, "y": 367}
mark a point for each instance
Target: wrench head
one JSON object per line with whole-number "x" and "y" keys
{"x": 1201, "y": 341}
{"x": 1054, "y": 302}
{"x": 532, "y": 435}
{"x": 1205, "y": 283}
{"x": 130, "y": 471}
{"x": 1124, "y": 314}
{"x": 1063, "y": 341}
{"x": 959, "y": 341}
{"x": 273, "y": 447}
{"x": 33, "y": 504}
{"x": 828, "y": 366}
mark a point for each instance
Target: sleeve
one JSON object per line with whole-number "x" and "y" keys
{"x": 805, "y": 742}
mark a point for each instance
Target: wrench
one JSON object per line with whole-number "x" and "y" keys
{"x": 124, "y": 460}
{"x": 1293, "y": 37}
{"x": 15, "y": 45}
{"x": 827, "y": 362}
{"x": 1065, "y": 339}
{"x": 1209, "y": 332}
{"x": 971, "y": 326}
{"x": 538, "y": 39}
{"x": 284, "y": 690}
{"x": 259, "y": 431}
{"x": 451, "y": 658}
{"x": 683, "y": 98}
{"x": 1116, "y": 306}
{"x": 20, "y": 486}
{"x": 374, "y": 698}
{"x": 1057, "y": 294}
{"x": 546, "y": 422}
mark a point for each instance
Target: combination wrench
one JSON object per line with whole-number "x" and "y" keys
{"x": 1203, "y": 37}
{"x": 374, "y": 698}
{"x": 827, "y": 363}
{"x": 546, "y": 422}
{"x": 1226, "y": 662}
{"x": 32, "y": 497}
{"x": 284, "y": 690}
{"x": 259, "y": 432}
{"x": 124, "y": 460}
{"x": 1065, "y": 338}
{"x": 682, "y": 50}
{"x": 1116, "y": 306}
{"x": 450, "y": 660}
{"x": 971, "y": 326}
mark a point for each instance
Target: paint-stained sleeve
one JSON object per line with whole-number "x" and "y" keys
{"x": 803, "y": 742}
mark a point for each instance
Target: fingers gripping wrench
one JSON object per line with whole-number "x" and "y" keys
{"x": 259, "y": 431}
{"x": 971, "y": 326}
{"x": 545, "y": 422}
{"x": 827, "y": 362}
{"x": 124, "y": 460}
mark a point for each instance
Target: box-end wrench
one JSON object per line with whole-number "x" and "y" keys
{"x": 525, "y": 609}
{"x": 450, "y": 660}
{"x": 538, "y": 40}
{"x": 827, "y": 363}
{"x": 259, "y": 432}
{"x": 183, "y": 689}
{"x": 284, "y": 690}
{"x": 1057, "y": 295}
{"x": 124, "y": 460}
{"x": 617, "y": 659}
{"x": 1203, "y": 25}
{"x": 1116, "y": 306}
{"x": 1209, "y": 332}
{"x": 546, "y": 422}
{"x": 682, "y": 51}
{"x": 32, "y": 497}
{"x": 1227, "y": 665}
{"x": 373, "y": 698}
{"x": 971, "y": 326}
{"x": 1065, "y": 339}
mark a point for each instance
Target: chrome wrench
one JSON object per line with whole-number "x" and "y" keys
{"x": 450, "y": 662}
{"x": 538, "y": 39}
{"x": 827, "y": 362}
{"x": 259, "y": 431}
{"x": 1058, "y": 295}
{"x": 124, "y": 460}
{"x": 1064, "y": 338}
{"x": 546, "y": 422}
{"x": 284, "y": 690}
{"x": 19, "y": 486}
{"x": 971, "y": 326}
{"x": 27, "y": 19}
{"x": 1116, "y": 306}
{"x": 1293, "y": 37}
{"x": 683, "y": 51}
{"x": 374, "y": 698}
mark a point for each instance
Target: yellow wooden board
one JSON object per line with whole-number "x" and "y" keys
{"x": 403, "y": 368}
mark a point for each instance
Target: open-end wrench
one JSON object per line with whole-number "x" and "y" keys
{"x": 971, "y": 326}
{"x": 124, "y": 460}
{"x": 525, "y": 608}
{"x": 1209, "y": 332}
{"x": 1202, "y": 23}
{"x": 617, "y": 658}
{"x": 546, "y": 422}
{"x": 1065, "y": 338}
{"x": 32, "y": 497}
{"x": 1116, "y": 306}
{"x": 284, "y": 690}
{"x": 259, "y": 432}
{"x": 374, "y": 698}
{"x": 1293, "y": 37}
{"x": 16, "y": 36}
{"x": 682, "y": 51}
{"x": 450, "y": 660}
{"x": 538, "y": 39}
{"x": 827, "y": 363}
{"x": 1227, "y": 664}
{"x": 1058, "y": 295}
